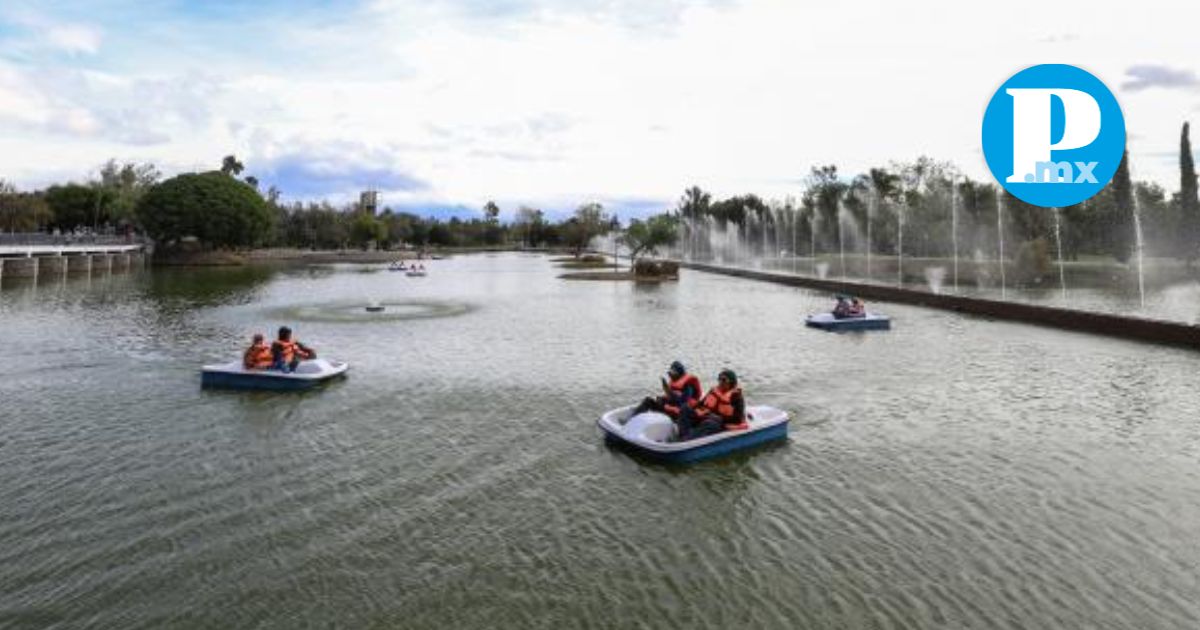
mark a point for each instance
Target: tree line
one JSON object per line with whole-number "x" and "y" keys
{"x": 928, "y": 203}
{"x": 913, "y": 201}
{"x": 225, "y": 208}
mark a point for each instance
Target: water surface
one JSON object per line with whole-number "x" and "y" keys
{"x": 954, "y": 472}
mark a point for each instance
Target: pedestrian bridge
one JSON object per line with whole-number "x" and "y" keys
{"x": 42, "y": 255}
{"x": 14, "y": 251}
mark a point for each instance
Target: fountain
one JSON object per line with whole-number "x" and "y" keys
{"x": 935, "y": 276}
{"x": 900, "y": 243}
{"x": 841, "y": 218}
{"x": 795, "y": 252}
{"x": 1137, "y": 230}
{"x": 1062, "y": 276}
{"x": 1000, "y": 233}
{"x": 812, "y": 230}
{"x": 954, "y": 228}
{"x": 872, "y": 201}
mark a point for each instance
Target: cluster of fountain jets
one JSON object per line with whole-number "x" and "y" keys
{"x": 727, "y": 246}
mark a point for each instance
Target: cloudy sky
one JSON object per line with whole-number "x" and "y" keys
{"x": 444, "y": 104}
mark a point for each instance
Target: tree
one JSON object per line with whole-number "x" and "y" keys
{"x": 216, "y": 209}
{"x": 76, "y": 205}
{"x": 647, "y": 236}
{"x": 365, "y": 229}
{"x": 589, "y": 222}
{"x": 252, "y": 180}
{"x": 22, "y": 212}
{"x": 1189, "y": 201}
{"x": 530, "y": 222}
{"x": 231, "y": 166}
{"x": 694, "y": 203}
{"x": 491, "y": 211}
{"x": 125, "y": 184}
{"x": 1120, "y": 220}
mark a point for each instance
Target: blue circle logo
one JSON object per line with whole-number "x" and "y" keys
{"x": 1053, "y": 135}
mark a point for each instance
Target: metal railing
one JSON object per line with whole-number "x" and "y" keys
{"x": 33, "y": 239}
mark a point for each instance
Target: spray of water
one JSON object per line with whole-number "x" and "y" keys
{"x": 900, "y": 244}
{"x": 841, "y": 220}
{"x": 1000, "y": 236}
{"x": 954, "y": 228}
{"x": 1137, "y": 229}
{"x": 872, "y": 202}
{"x": 936, "y": 277}
{"x": 1062, "y": 275}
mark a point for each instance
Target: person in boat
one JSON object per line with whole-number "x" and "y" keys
{"x": 682, "y": 390}
{"x": 842, "y": 308}
{"x": 287, "y": 353}
{"x": 258, "y": 356}
{"x": 857, "y": 308}
{"x": 722, "y": 408}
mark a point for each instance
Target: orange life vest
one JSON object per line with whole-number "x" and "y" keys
{"x": 258, "y": 356}
{"x": 678, "y": 387}
{"x": 720, "y": 403}
{"x": 290, "y": 349}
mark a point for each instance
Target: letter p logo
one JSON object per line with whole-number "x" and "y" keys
{"x": 1053, "y": 135}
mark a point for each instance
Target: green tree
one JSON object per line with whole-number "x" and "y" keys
{"x": 77, "y": 205}
{"x": 125, "y": 184}
{"x": 589, "y": 222}
{"x": 529, "y": 223}
{"x": 365, "y": 229}
{"x": 1120, "y": 219}
{"x": 22, "y": 212}
{"x": 1189, "y": 199}
{"x": 231, "y": 166}
{"x": 216, "y": 209}
{"x": 694, "y": 204}
{"x": 491, "y": 211}
{"x": 645, "y": 237}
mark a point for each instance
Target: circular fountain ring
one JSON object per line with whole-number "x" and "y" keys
{"x": 357, "y": 312}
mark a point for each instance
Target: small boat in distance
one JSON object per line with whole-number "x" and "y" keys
{"x": 651, "y": 433}
{"x": 867, "y": 321}
{"x": 397, "y": 265}
{"x": 415, "y": 273}
{"x": 308, "y": 374}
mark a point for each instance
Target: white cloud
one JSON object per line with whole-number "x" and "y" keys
{"x": 548, "y": 102}
{"x": 74, "y": 38}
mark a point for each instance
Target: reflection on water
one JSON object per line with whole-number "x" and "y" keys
{"x": 954, "y": 472}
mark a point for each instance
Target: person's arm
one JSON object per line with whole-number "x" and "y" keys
{"x": 248, "y": 358}
{"x": 308, "y": 352}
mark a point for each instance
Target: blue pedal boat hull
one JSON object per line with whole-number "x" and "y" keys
{"x": 826, "y": 321}
{"x": 308, "y": 374}
{"x": 647, "y": 435}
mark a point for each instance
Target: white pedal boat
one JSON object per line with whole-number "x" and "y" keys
{"x": 649, "y": 433}
{"x": 869, "y": 321}
{"x": 235, "y": 376}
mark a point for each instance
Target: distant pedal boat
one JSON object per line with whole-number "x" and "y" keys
{"x": 415, "y": 273}
{"x": 647, "y": 433}
{"x": 870, "y": 321}
{"x": 307, "y": 375}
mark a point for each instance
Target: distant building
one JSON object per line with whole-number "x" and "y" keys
{"x": 368, "y": 201}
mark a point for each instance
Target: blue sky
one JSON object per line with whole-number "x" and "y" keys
{"x": 552, "y": 103}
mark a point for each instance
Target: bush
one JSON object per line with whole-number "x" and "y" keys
{"x": 656, "y": 268}
{"x": 217, "y": 209}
